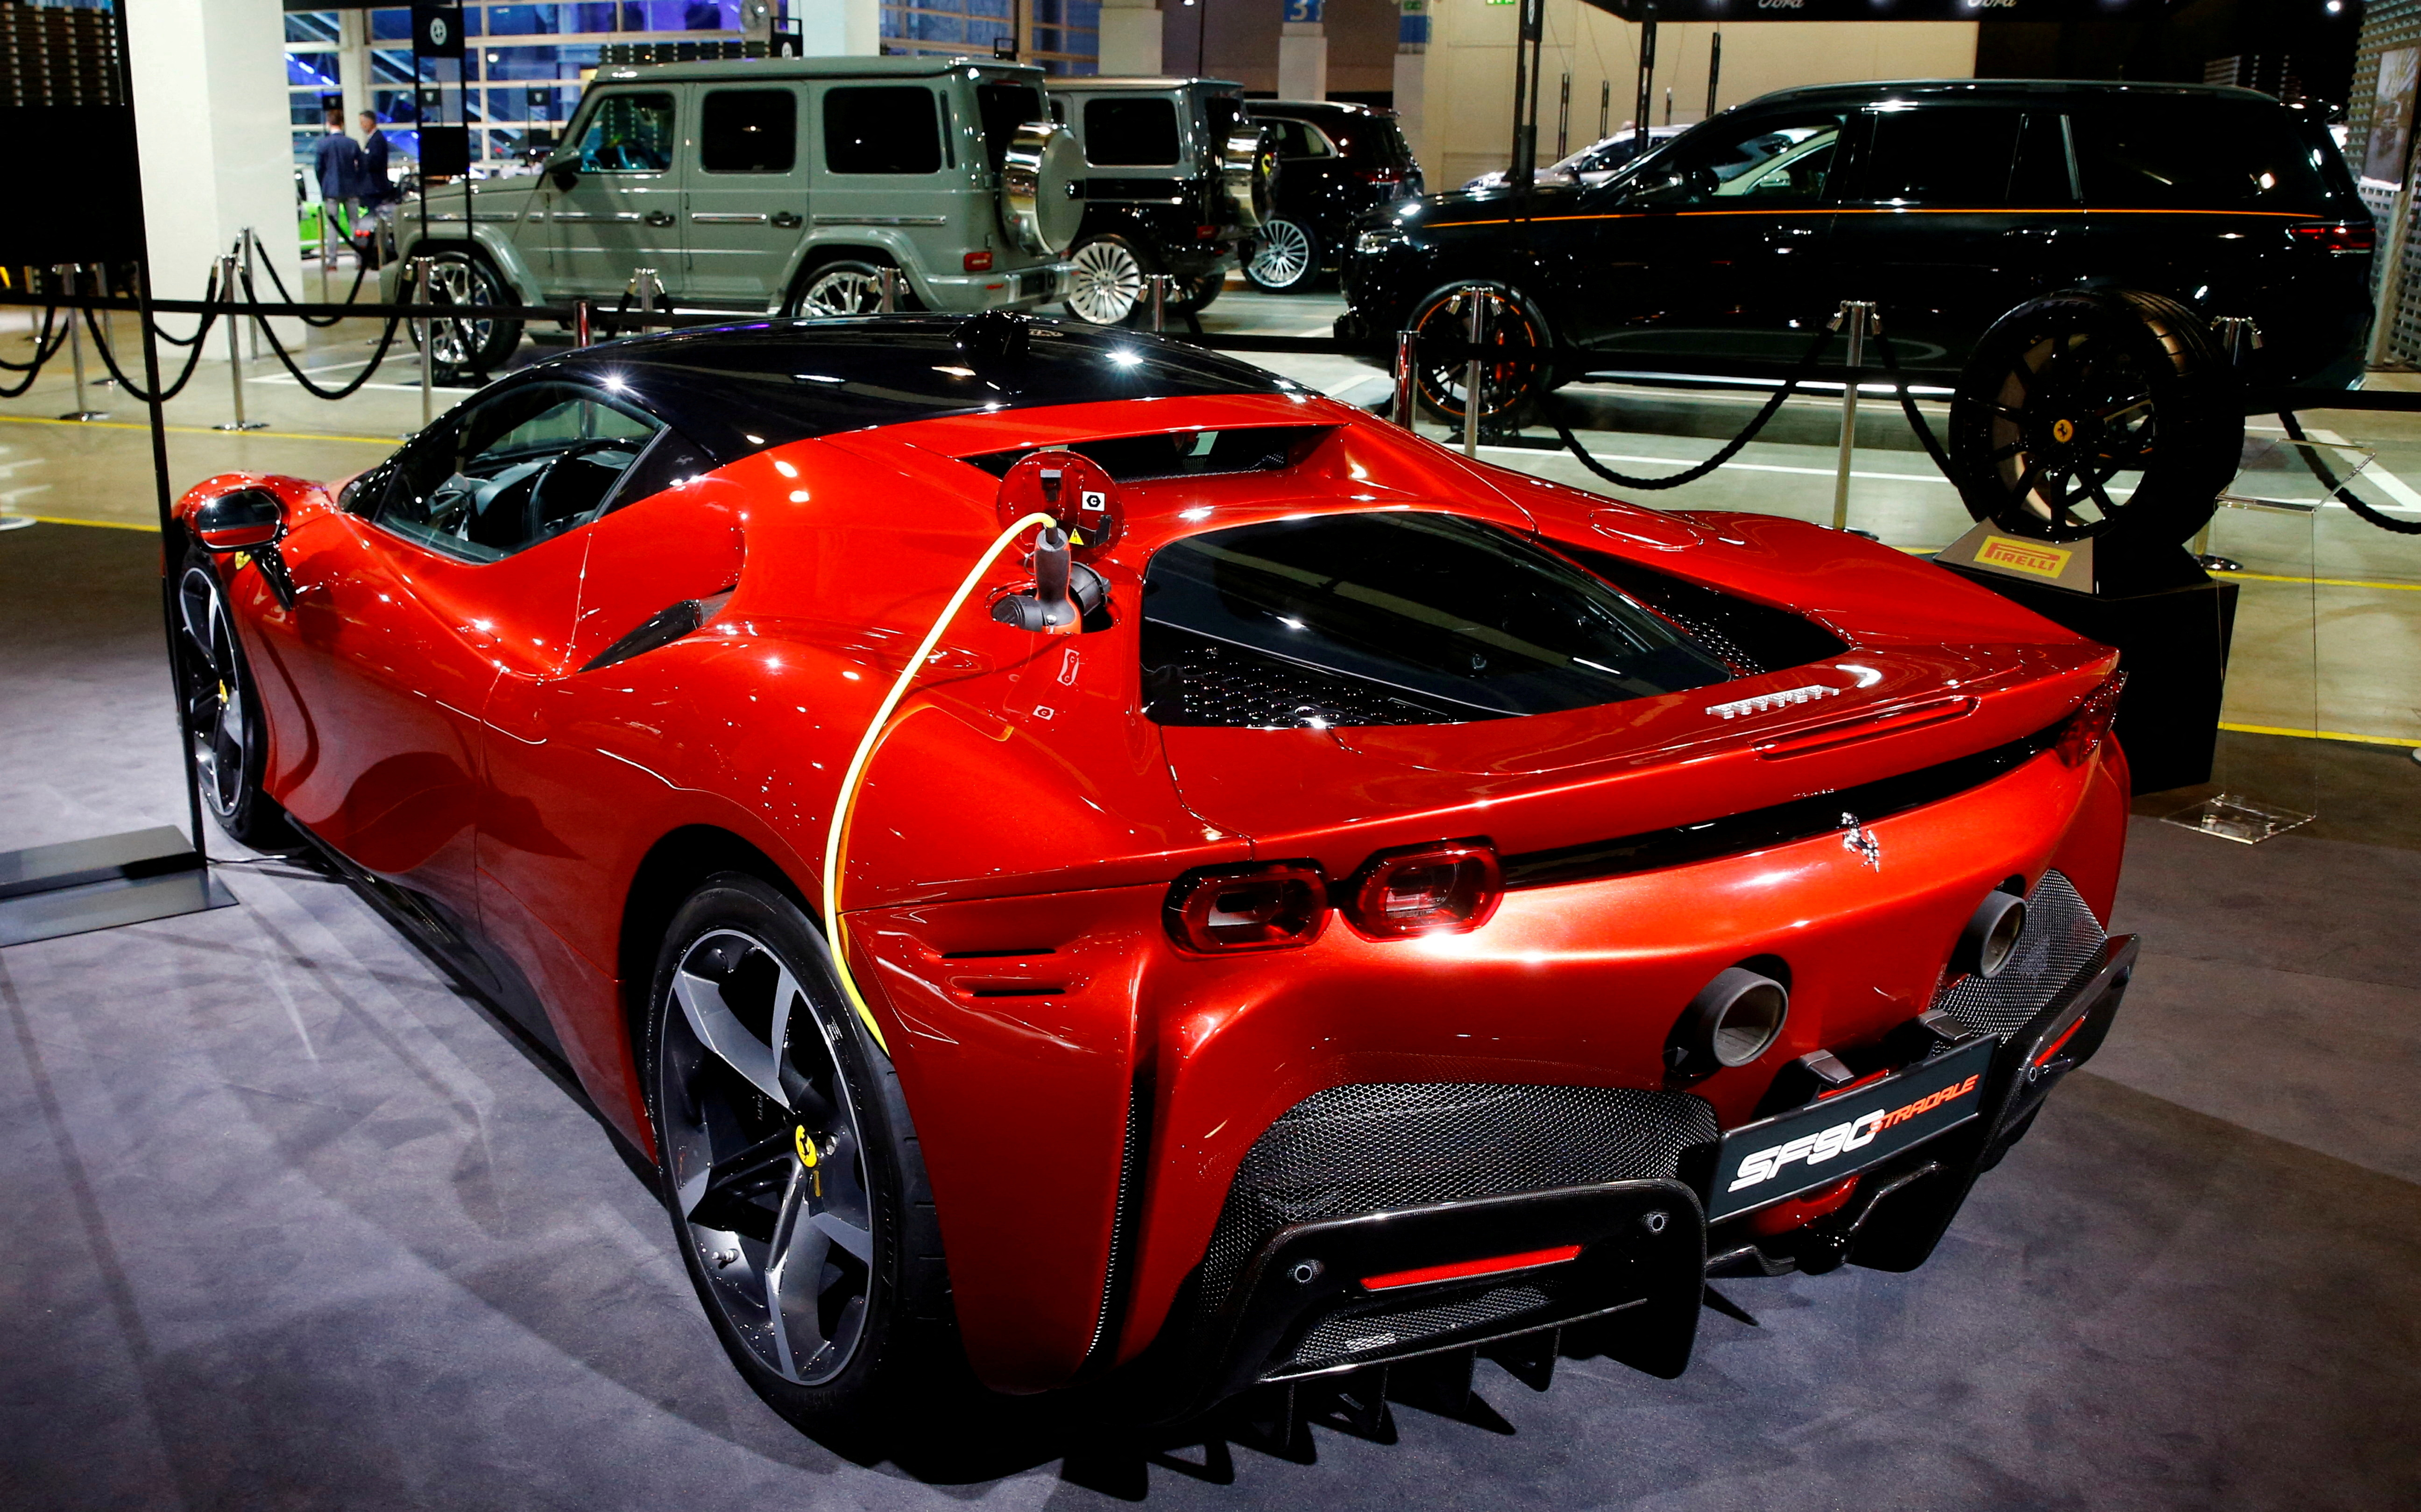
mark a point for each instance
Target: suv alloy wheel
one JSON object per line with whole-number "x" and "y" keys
{"x": 1109, "y": 282}
{"x": 1285, "y": 258}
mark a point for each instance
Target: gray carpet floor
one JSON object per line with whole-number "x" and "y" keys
{"x": 291, "y": 1221}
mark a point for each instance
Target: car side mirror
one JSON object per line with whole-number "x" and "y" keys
{"x": 563, "y": 174}
{"x": 1672, "y": 186}
{"x": 243, "y": 521}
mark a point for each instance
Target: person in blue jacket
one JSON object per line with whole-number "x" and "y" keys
{"x": 336, "y": 162}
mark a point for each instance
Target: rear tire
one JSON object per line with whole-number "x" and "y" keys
{"x": 1285, "y": 258}
{"x": 1194, "y": 295}
{"x": 824, "y": 1279}
{"x": 1109, "y": 281}
{"x": 2066, "y": 392}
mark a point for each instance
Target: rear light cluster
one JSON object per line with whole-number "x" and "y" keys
{"x": 976, "y": 262}
{"x": 1452, "y": 887}
{"x": 2090, "y": 725}
{"x": 1379, "y": 176}
{"x": 2340, "y": 239}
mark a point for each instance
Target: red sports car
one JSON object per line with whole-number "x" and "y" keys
{"x": 1304, "y": 901}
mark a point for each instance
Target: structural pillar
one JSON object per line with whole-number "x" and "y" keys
{"x": 1130, "y": 39}
{"x": 210, "y": 118}
{"x": 1411, "y": 74}
{"x": 840, "y": 28}
{"x": 1303, "y": 52}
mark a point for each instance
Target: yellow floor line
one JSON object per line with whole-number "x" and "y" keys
{"x": 2326, "y": 583}
{"x": 199, "y": 430}
{"x": 2321, "y": 735}
{"x": 96, "y": 524}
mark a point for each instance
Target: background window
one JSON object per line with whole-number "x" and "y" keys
{"x": 1130, "y": 132}
{"x": 1953, "y": 156}
{"x": 2195, "y": 154}
{"x": 630, "y": 132}
{"x": 881, "y": 131}
{"x": 748, "y": 131}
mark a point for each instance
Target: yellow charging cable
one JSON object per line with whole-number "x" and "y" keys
{"x": 834, "y": 930}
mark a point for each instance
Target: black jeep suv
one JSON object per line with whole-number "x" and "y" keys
{"x": 1948, "y": 203}
{"x": 1336, "y": 161}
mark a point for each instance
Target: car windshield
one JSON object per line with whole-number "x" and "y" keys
{"x": 1393, "y": 618}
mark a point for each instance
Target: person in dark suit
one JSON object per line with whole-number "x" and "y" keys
{"x": 336, "y": 162}
{"x": 378, "y": 196}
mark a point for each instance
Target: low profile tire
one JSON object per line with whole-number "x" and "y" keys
{"x": 1285, "y": 258}
{"x": 791, "y": 1171}
{"x": 1510, "y": 390}
{"x": 2066, "y": 394}
{"x": 467, "y": 348}
{"x": 848, "y": 285}
{"x": 214, "y": 681}
{"x": 1109, "y": 277}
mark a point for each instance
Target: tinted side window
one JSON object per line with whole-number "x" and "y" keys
{"x": 631, "y": 133}
{"x": 748, "y": 131}
{"x": 512, "y": 471}
{"x": 1131, "y": 134}
{"x": 887, "y": 130}
{"x": 1006, "y": 107}
{"x": 1945, "y": 155}
{"x": 1771, "y": 161}
{"x": 2040, "y": 176}
{"x": 2195, "y": 154}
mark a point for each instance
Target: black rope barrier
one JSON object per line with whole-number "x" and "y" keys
{"x": 1916, "y": 421}
{"x": 385, "y": 340}
{"x": 2340, "y": 492}
{"x": 1731, "y": 449}
{"x": 44, "y": 349}
{"x": 361, "y": 271}
{"x": 134, "y": 390}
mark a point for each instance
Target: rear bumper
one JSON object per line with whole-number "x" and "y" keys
{"x": 1021, "y": 289}
{"x": 1625, "y": 1259}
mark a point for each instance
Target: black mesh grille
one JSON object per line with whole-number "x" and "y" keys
{"x": 1346, "y": 1336}
{"x": 1377, "y": 1146}
{"x": 2061, "y": 938}
{"x": 1196, "y": 682}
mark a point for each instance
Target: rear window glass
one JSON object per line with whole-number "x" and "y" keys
{"x": 1131, "y": 134}
{"x": 1392, "y": 618}
{"x": 1006, "y": 107}
{"x": 2171, "y": 152}
{"x": 748, "y": 131}
{"x": 883, "y": 130}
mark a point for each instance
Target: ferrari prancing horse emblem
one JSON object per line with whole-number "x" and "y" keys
{"x": 1856, "y": 836}
{"x": 2063, "y": 431}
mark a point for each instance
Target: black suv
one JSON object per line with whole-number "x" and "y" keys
{"x": 1335, "y": 163}
{"x": 1948, "y": 203}
{"x": 1175, "y": 177}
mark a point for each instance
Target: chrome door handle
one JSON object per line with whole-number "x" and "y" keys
{"x": 659, "y": 217}
{"x": 789, "y": 220}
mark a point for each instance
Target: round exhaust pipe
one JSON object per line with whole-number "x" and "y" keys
{"x": 1991, "y": 937}
{"x": 1734, "y": 1019}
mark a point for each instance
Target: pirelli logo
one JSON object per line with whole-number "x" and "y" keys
{"x": 2028, "y": 556}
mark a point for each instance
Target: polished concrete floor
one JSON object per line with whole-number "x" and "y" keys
{"x": 2330, "y": 622}
{"x": 292, "y": 1223}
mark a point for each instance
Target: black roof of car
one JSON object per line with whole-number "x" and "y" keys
{"x": 2009, "y": 89}
{"x": 1308, "y": 109}
{"x": 738, "y": 389}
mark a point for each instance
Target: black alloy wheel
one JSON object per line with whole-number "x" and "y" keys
{"x": 1285, "y": 258}
{"x": 2111, "y": 416}
{"x": 1509, "y": 387}
{"x": 788, "y": 1166}
{"x": 468, "y": 347}
{"x": 214, "y": 682}
{"x": 1192, "y": 296}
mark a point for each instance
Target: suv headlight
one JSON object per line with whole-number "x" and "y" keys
{"x": 1384, "y": 239}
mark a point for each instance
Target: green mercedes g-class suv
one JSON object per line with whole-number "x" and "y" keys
{"x": 767, "y": 185}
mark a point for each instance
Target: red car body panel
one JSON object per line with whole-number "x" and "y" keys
{"x": 1014, "y": 841}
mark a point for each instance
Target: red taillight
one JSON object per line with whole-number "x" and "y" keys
{"x": 2090, "y": 725}
{"x": 1437, "y": 889}
{"x": 977, "y": 262}
{"x": 1274, "y": 907}
{"x": 1206, "y": 232}
{"x": 2341, "y": 239}
{"x": 1379, "y": 176}
{"x": 1465, "y": 1270}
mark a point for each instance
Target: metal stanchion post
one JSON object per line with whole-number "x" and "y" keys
{"x": 644, "y": 286}
{"x": 1854, "y": 314}
{"x": 1407, "y": 345}
{"x": 65, "y": 274}
{"x": 581, "y": 334}
{"x": 108, "y": 326}
{"x": 1475, "y": 301}
{"x": 886, "y": 290}
{"x": 249, "y": 282}
{"x": 420, "y": 270}
{"x": 234, "y": 351}
{"x": 1160, "y": 283}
